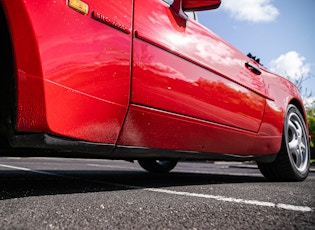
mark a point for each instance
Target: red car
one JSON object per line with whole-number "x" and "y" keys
{"x": 139, "y": 80}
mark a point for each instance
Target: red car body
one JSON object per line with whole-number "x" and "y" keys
{"x": 135, "y": 79}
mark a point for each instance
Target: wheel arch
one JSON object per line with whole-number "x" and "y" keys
{"x": 298, "y": 104}
{"x": 300, "y": 107}
{"x": 25, "y": 71}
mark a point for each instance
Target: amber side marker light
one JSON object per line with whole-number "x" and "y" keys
{"x": 79, "y": 6}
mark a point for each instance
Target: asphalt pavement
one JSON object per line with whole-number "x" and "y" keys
{"x": 55, "y": 193}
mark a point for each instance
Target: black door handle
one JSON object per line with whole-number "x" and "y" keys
{"x": 255, "y": 69}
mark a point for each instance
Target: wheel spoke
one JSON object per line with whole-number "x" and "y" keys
{"x": 298, "y": 129}
{"x": 299, "y": 158}
{"x": 293, "y": 145}
{"x": 292, "y": 126}
{"x": 302, "y": 146}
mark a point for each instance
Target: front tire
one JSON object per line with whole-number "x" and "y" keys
{"x": 293, "y": 161}
{"x": 157, "y": 166}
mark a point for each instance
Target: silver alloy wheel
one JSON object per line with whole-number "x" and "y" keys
{"x": 296, "y": 139}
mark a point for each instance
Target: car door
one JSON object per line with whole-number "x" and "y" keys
{"x": 183, "y": 68}
{"x": 190, "y": 90}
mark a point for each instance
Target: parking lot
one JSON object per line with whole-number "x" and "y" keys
{"x": 54, "y": 193}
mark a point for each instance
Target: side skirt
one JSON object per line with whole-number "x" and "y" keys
{"x": 42, "y": 145}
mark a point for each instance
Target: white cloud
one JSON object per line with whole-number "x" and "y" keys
{"x": 290, "y": 64}
{"x": 251, "y": 10}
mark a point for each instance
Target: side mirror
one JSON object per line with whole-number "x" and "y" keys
{"x": 198, "y": 5}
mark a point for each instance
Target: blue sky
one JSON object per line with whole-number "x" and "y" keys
{"x": 280, "y": 32}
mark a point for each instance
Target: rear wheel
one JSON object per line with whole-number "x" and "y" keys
{"x": 157, "y": 166}
{"x": 293, "y": 160}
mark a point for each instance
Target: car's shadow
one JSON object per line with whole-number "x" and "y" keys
{"x": 18, "y": 184}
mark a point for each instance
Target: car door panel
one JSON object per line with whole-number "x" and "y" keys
{"x": 181, "y": 67}
{"x": 173, "y": 84}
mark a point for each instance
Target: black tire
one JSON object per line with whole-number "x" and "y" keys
{"x": 293, "y": 161}
{"x": 157, "y": 166}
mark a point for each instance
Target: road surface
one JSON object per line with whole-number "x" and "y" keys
{"x": 55, "y": 193}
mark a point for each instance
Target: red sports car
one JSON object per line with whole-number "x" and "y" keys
{"x": 140, "y": 80}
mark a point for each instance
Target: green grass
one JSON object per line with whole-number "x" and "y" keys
{"x": 312, "y": 161}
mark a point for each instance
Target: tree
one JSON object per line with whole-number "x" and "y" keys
{"x": 309, "y": 100}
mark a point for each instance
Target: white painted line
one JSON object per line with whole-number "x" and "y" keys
{"x": 218, "y": 173}
{"x": 28, "y": 170}
{"x": 294, "y": 208}
{"x": 188, "y": 194}
{"x": 234, "y": 200}
{"x": 112, "y": 166}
